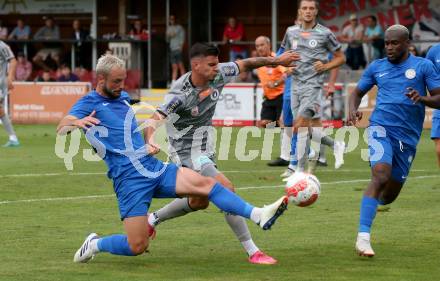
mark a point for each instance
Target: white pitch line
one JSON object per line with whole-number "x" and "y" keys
{"x": 57, "y": 199}
{"x": 238, "y": 188}
{"x": 236, "y": 172}
{"x": 50, "y": 175}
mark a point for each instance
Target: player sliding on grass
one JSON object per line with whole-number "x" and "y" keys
{"x": 192, "y": 100}
{"x": 109, "y": 121}
{"x": 395, "y": 124}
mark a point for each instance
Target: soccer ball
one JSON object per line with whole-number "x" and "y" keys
{"x": 303, "y": 189}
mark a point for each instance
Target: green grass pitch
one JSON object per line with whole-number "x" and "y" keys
{"x": 47, "y": 211}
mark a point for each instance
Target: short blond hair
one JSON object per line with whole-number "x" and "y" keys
{"x": 107, "y": 62}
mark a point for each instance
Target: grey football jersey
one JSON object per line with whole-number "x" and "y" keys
{"x": 5, "y": 56}
{"x": 194, "y": 107}
{"x": 312, "y": 45}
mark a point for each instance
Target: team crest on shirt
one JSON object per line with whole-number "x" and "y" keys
{"x": 195, "y": 111}
{"x": 215, "y": 94}
{"x": 313, "y": 43}
{"x": 410, "y": 73}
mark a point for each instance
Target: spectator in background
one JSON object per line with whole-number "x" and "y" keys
{"x": 49, "y": 56}
{"x": 45, "y": 76}
{"x": 24, "y": 68}
{"x": 20, "y": 32}
{"x": 352, "y": 34}
{"x": 272, "y": 81}
{"x": 374, "y": 35}
{"x": 82, "y": 56}
{"x": 176, "y": 38}
{"x": 3, "y": 31}
{"x": 67, "y": 75}
{"x": 413, "y": 50}
{"x": 233, "y": 33}
{"x": 138, "y": 32}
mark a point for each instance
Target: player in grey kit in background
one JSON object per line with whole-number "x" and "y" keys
{"x": 192, "y": 99}
{"x": 313, "y": 42}
{"x": 7, "y": 76}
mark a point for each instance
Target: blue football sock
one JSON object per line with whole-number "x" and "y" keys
{"x": 368, "y": 212}
{"x": 115, "y": 244}
{"x": 229, "y": 202}
{"x": 293, "y": 156}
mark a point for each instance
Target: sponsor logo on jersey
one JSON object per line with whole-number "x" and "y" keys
{"x": 305, "y": 34}
{"x": 173, "y": 105}
{"x": 410, "y": 73}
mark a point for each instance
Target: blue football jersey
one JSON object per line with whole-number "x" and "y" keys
{"x": 116, "y": 135}
{"x": 434, "y": 56}
{"x": 401, "y": 118}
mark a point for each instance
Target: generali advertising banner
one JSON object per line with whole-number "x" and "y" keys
{"x": 43, "y": 103}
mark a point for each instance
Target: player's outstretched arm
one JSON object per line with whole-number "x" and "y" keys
{"x": 355, "y": 100}
{"x": 433, "y": 100}
{"x": 286, "y": 59}
{"x": 70, "y": 123}
{"x": 150, "y": 128}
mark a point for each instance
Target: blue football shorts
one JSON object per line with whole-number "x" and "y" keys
{"x": 435, "y": 130}
{"x": 134, "y": 191}
{"x": 386, "y": 149}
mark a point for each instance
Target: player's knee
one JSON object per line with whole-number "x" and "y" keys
{"x": 138, "y": 245}
{"x": 381, "y": 176}
{"x": 206, "y": 182}
{"x": 198, "y": 203}
{"x": 437, "y": 147}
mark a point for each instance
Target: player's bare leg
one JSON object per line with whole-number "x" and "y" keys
{"x": 437, "y": 150}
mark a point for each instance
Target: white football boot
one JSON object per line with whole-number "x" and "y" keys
{"x": 270, "y": 213}
{"x": 363, "y": 245}
{"x": 86, "y": 252}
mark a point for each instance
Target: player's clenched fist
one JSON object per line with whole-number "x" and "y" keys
{"x": 353, "y": 117}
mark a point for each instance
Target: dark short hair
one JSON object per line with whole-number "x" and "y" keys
{"x": 203, "y": 50}
{"x": 373, "y": 18}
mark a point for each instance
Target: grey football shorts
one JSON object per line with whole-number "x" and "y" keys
{"x": 306, "y": 102}
{"x": 202, "y": 164}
